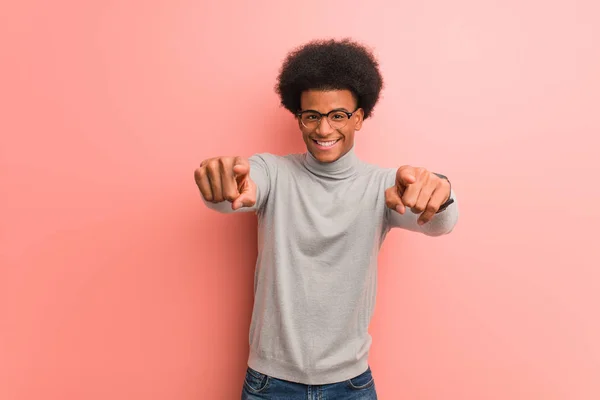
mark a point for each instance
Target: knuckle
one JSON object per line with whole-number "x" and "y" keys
{"x": 212, "y": 165}
{"x": 408, "y": 202}
{"x": 432, "y": 208}
{"x": 230, "y": 196}
{"x": 202, "y": 182}
{"x": 207, "y": 195}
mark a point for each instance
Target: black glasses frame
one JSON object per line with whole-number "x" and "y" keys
{"x": 349, "y": 114}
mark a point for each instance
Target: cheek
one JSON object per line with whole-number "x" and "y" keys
{"x": 302, "y": 130}
{"x": 348, "y": 134}
{"x": 305, "y": 137}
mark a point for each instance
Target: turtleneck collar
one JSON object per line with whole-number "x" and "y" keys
{"x": 343, "y": 167}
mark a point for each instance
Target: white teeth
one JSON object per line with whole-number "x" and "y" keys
{"x": 326, "y": 144}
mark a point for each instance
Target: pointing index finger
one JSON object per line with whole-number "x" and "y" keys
{"x": 405, "y": 176}
{"x": 240, "y": 166}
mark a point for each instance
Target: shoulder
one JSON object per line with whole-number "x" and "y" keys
{"x": 274, "y": 165}
{"x": 264, "y": 161}
{"x": 264, "y": 158}
{"x": 383, "y": 175}
{"x": 277, "y": 161}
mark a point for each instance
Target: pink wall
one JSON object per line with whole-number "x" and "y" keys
{"x": 116, "y": 283}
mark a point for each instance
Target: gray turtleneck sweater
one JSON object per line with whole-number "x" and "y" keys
{"x": 320, "y": 228}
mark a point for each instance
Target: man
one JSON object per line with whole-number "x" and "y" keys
{"x": 322, "y": 218}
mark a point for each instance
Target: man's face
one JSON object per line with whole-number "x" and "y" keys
{"x": 319, "y": 138}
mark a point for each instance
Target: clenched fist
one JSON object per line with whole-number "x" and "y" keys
{"x": 418, "y": 189}
{"x": 226, "y": 178}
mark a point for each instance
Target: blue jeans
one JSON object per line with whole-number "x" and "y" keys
{"x": 260, "y": 386}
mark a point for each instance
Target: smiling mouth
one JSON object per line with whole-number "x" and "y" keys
{"x": 328, "y": 143}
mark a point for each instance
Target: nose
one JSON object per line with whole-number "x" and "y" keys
{"x": 324, "y": 128}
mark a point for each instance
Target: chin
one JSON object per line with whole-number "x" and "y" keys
{"x": 326, "y": 155}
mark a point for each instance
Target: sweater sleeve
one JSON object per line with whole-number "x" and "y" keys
{"x": 261, "y": 167}
{"x": 442, "y": 223}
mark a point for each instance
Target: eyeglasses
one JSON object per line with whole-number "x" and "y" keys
{"x": 337, "y": 118}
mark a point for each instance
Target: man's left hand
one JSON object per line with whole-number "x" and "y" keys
{"x": 418, "y": 189}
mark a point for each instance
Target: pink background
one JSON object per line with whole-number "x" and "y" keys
{"x": 117, "y": 283}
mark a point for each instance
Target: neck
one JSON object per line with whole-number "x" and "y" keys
{"x": 342, "y": 168}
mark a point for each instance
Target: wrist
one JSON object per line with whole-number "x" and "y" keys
{"x": 449, "y": 200}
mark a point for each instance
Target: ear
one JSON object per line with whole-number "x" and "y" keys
{"x": 360, "y": 117}
{"x": 299, "y": 122}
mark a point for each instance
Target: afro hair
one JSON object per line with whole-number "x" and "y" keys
{"x": 330, "y": 65}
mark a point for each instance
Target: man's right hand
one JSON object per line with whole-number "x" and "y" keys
{"x": 226, "y": 178}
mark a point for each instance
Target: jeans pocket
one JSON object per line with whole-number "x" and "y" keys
{"x": 255, "y": 381}
{"x": 362, "y": 381}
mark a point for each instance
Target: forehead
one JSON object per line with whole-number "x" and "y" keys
{"x": 327, "y": 100}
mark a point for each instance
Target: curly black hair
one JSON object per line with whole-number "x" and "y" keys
{"x": 330, "y": 65}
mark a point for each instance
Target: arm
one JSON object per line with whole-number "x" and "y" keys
{"x": 414, "y": 201}
{"x": 234, "y": 184}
